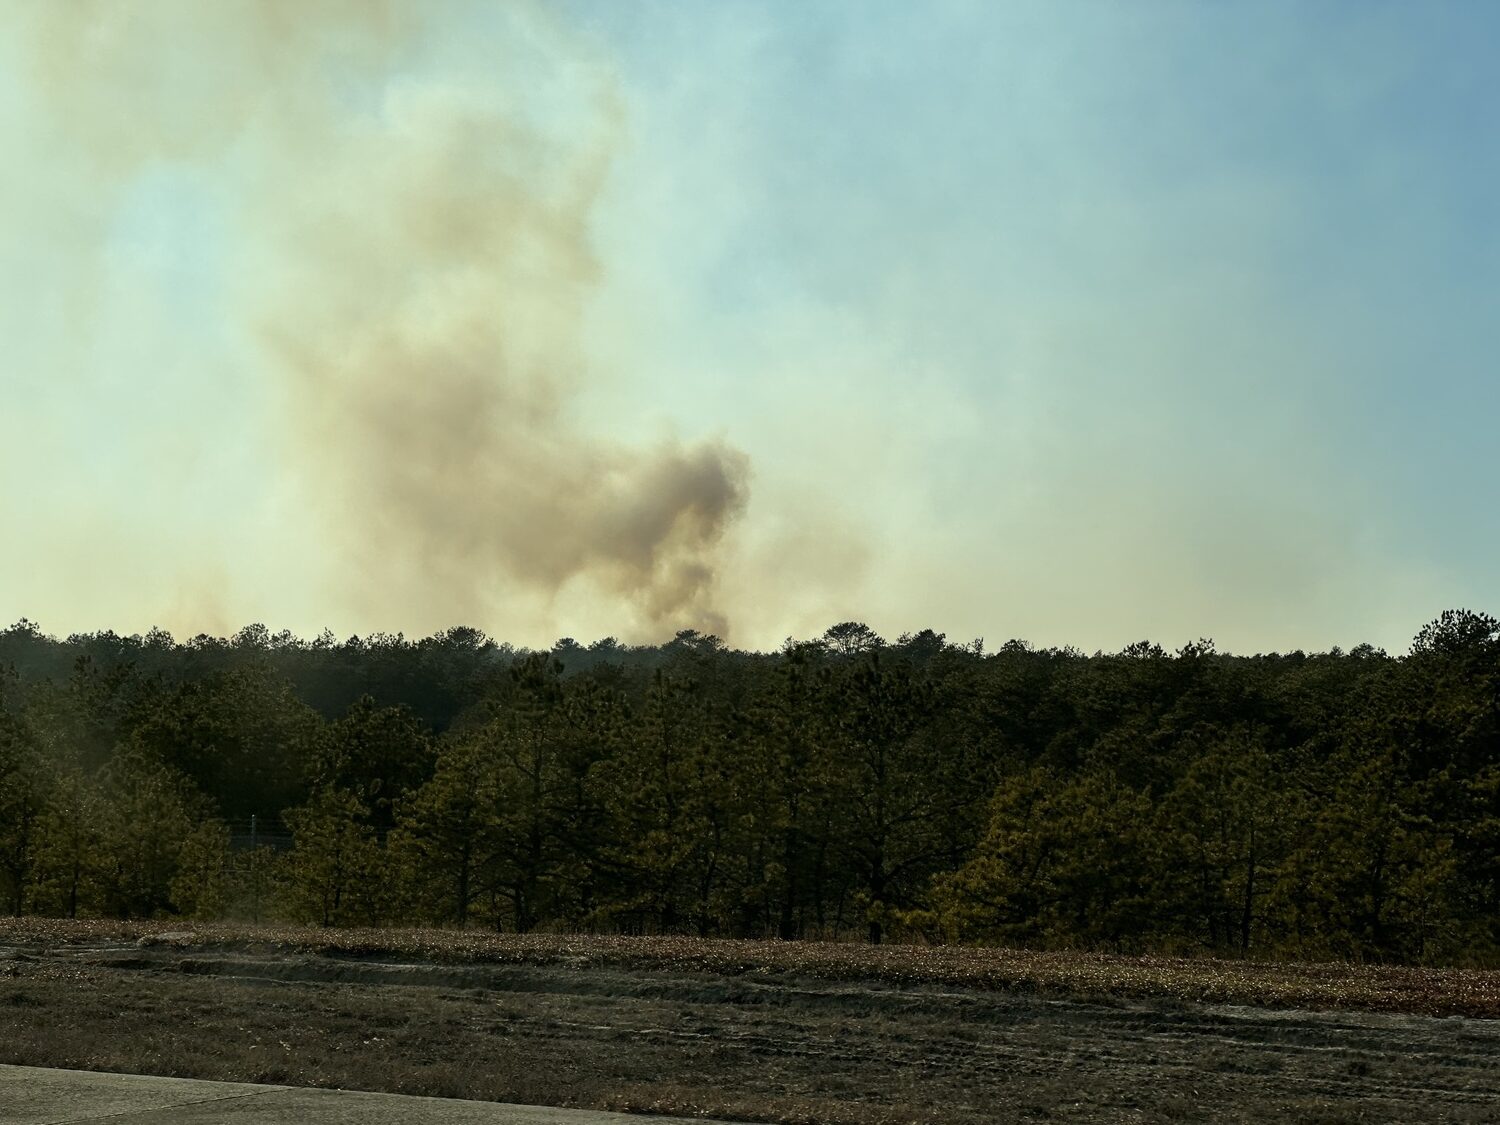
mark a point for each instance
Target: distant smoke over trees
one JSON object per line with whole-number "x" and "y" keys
{"x": 1312, "y": 805}
{"x": 405, "y": 256}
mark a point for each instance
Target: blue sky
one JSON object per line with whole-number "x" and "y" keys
{"x": 1079, "y": 322}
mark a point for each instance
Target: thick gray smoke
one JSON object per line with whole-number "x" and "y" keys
{"x": 408, "y": 189}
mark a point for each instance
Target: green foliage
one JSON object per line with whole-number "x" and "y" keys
{"x": 1221, "y": 830}
{"x": 201, "y": 885}
{"x": 446, "y": 831}
{"x": 22, "y": 807}
{"x": 72, "y": 856}
{"x": 149, "y": 816}
{"x": 1064, "y": 861}
{"x": 1342, "y": 805}
{"x": 334, "y": 871}
{"x": 665, "y": 793}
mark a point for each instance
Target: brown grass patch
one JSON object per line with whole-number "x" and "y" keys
{"x": 753, "y": 1031}
{"x": 1094, "y": 976}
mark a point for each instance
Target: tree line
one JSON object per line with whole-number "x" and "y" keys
{"x": 1336, "y": 804}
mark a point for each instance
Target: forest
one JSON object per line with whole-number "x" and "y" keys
{"x": 1332, "y": 805}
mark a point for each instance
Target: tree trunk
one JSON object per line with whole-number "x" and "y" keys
{"x": 463, "y": 886}
{"x": 1248, "y": 913}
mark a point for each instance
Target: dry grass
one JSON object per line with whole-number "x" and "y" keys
{"x": 1314, "y": 986}
{"x": 754, "y": 1031}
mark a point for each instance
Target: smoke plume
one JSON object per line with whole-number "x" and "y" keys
{"x": 406, "y": 189}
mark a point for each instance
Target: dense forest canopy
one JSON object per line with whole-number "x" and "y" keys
{"x": 1338, "y": 804}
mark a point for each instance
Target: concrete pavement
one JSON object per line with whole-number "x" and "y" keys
{"x": 31, "y": 1095}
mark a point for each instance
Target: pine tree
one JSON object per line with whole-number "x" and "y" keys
{"x": 334, "y": 870}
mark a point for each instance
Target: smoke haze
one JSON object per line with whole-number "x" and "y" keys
{"x": 1035, "y": 319}
{"x": 406, "y": 254}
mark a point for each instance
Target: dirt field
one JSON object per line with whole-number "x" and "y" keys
{"x": 730, "y": 1032}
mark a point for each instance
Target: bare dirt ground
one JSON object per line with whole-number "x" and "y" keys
{"x": 730, "y": 1031}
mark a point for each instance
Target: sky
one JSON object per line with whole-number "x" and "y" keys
{"x": 1072, "y": 321}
